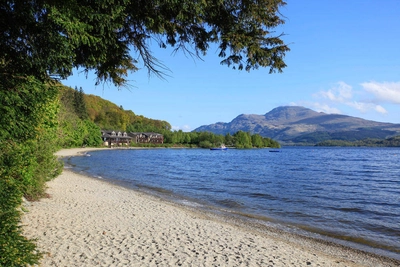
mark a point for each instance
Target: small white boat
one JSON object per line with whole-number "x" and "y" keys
{"x": 221, "y": 147}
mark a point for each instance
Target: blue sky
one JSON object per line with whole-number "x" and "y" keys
{"x": 344, "y": 58}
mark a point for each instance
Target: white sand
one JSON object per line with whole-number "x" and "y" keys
{"x": 89, "y": 222}
{"x": 77, "y": 151}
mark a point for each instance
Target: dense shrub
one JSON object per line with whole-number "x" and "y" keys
{"x": 74, "y": 132}
{"x": 27, "y": 144}
{"x": 15, "y": 249}
{"x": 205, "y": 144}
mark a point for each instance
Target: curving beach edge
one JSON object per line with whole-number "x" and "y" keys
{"x": 90, "y": 222}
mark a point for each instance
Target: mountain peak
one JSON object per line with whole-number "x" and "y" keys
{"x": 287, "y": 114}
{"x": 296, "y": 124}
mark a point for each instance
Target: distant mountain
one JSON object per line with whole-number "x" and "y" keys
{"x": 299, "y": 125}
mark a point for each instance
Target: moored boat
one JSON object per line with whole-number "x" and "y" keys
{"x": 221, "y": 147}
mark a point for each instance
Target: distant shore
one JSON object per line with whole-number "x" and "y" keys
{"x": 89, "y": 222}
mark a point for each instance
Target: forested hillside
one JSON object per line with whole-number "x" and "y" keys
{"x": 81, "y": 117}
{"x": 108, "y": 115}
{"x": 370, "y": 142}
{"x": 75, "y": 128}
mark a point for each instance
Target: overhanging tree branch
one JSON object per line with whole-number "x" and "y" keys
{"x": 47, "y": 38}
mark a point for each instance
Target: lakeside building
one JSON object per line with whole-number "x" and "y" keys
{"x": 115, "y": 138}
{"x": 154, "y": 138}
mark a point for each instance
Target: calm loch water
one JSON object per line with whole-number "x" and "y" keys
{"x": 348, "y": 194}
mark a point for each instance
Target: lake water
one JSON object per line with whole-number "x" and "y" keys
{"x": 345, "y": 194}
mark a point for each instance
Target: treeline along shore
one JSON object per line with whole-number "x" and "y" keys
{"x": 90, "y": 222}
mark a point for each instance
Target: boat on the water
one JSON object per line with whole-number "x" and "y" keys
{"x": 274, "y": 150}
{"x": 221, "y": 147}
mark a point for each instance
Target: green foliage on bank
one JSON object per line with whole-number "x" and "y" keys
{"x": 28, "y": 140}
{"x": 246, "y": 140}
{"x": 369, "y": 142}
{"x": 207, "y": 139}
{"x": 37, "y": 119}
{"x": 75, "y": 127}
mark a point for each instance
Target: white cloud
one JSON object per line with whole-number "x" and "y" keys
{"x": 365, "y": 107}
{"x": 184, "y": 128}
{"x": 387, "y": 92}
{"x": 380, "y": 109}
{"x": 317, "y": 106}
{"x": 371, "y": 100}
{"x": 341, "y": 93}
{"x": 323, "y": 107}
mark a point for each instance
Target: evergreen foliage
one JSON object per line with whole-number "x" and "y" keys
{"x": 75, "y": 127}
{"x": 80, "y": 104}
{"x": 27, "y": 161}
{"x": 49, "y": 38}
{"x": 101, "y": 112}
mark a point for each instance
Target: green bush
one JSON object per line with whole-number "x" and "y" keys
{"x": 15, "y": 249}
{"x": 27, "y": 144}
{"x": 205, "y": 144}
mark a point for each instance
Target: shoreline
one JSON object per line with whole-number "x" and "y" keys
{"x": 88, "y": 222}
{"x": 73, "y": 152}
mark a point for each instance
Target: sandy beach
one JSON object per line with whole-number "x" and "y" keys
{"x": 90, "y": 222}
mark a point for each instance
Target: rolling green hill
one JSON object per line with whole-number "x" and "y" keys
{"x": 82, "y": 116}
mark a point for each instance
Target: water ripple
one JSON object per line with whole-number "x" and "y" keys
{"x": 349, "y": 193}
